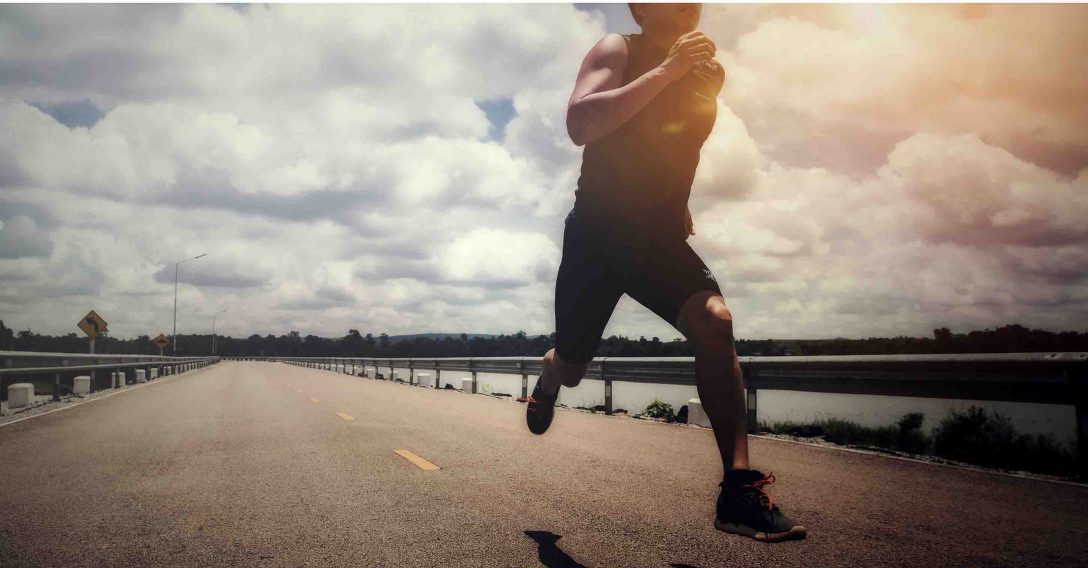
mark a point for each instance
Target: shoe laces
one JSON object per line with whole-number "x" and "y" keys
{"x": 758, "y": 486}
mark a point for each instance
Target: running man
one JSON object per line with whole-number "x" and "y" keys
{"x": 642, "y": 106}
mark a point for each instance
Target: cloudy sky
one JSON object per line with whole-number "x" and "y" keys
{"x": 874, "y": 170}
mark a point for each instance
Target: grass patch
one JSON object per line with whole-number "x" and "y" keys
{"x": 974, "y": 436}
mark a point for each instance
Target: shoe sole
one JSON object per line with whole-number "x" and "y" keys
{"x": 796, "y": 533}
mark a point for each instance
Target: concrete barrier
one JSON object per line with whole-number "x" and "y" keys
{"x": 141, "y": 376}
{"x": 81, "y": 384}
{"x": 466, "y": 384}
{"x": 423, "y": 379}
{"x": 696, "y": 414}
{"x": 20, "y": 395}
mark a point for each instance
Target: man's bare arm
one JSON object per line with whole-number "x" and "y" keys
{"x": 599, "y": 104}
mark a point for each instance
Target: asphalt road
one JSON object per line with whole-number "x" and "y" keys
{"x": 265, "y": 464}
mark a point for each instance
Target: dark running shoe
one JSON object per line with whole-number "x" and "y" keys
{"x": 745, "y": 508}
{"x": 540, "y": 410}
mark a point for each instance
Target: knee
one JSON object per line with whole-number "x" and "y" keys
{"x": 715, "y": 330}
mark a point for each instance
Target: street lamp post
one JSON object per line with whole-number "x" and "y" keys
{"x": 213, "y": 328}
{"x": 174, "y": 338}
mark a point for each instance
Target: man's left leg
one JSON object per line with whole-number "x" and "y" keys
{"x": 708, "y": 324}
{"x": 743, "y": 507}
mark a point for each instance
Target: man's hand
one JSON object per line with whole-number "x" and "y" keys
{"x": 688, "y": 50}
{"x": 689, "y": 226}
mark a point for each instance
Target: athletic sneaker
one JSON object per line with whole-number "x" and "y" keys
{"x": 745, "y": 508}
{"x": 540, "y": 410}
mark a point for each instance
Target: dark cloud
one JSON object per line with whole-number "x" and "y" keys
{"x": 72, "y": 114}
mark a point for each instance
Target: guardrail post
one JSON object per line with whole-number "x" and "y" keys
{"x": 607, "y": 389}
{"x": 411, "y": 372}
{"x": 471, "y": 364}
{"x": 524, "y": 379}
{"x": 437, "y": 377}
{"x": 7, "y": 365}
{"x": 1080, "y": 385}
{"x": 56, "y": 387}
{"x": 749, "y": 381}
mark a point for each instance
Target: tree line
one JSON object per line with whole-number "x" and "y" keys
{"x": 1012, "y": 338}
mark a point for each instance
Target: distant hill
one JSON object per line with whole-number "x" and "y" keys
{"x": 393, "y": 338}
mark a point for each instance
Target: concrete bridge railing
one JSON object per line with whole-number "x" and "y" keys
{"x": 82, "y": 368}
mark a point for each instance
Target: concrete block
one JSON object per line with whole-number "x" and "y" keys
{"x": 81, "y": 384}
{"x": 466, "y": 384}
{"x": 141, "y": 376}
{"x": 696, "y": 414}
{"x": 154, "y": 372}
{"x": 20, "y": 395}
{"x": 424, "y": 379}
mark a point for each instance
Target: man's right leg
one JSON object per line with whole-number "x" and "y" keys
{"x": 586, "y": 292}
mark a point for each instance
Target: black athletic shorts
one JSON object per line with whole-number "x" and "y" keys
{"x": 598, "y": 267}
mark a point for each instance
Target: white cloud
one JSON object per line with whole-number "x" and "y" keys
{"x": 497, "y": 257}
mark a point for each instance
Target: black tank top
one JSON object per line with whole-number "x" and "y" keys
{"x": 638, "y": 177}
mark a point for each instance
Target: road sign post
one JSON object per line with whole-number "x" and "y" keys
{"x": 92, "y": 324}
{"x": 162, "y": 342}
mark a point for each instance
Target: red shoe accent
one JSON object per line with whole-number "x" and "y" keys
{"x": 758, "y": 486}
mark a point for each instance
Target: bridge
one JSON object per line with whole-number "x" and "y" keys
{"x": 297, "y": 462}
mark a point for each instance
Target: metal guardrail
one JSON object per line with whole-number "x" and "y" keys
{"x": 25, "y": 363}
{"x": 1048, "y": 378}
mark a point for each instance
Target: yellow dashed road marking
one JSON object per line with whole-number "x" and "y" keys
{"x": 314, "y": 400}
{"x": 345, "y": 416}
{"x": 422, "y": 463}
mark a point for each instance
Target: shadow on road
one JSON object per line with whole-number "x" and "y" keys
{"x": 551, "y": 555}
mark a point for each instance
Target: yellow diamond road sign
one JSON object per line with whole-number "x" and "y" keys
{"x": 161, "y": 341}
{"x": 92, "y": 324}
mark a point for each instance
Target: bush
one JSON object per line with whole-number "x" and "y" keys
{"x": 659, "y": 409}
{"x": 909, "y": 437}
{"x": 989, "y": 439}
